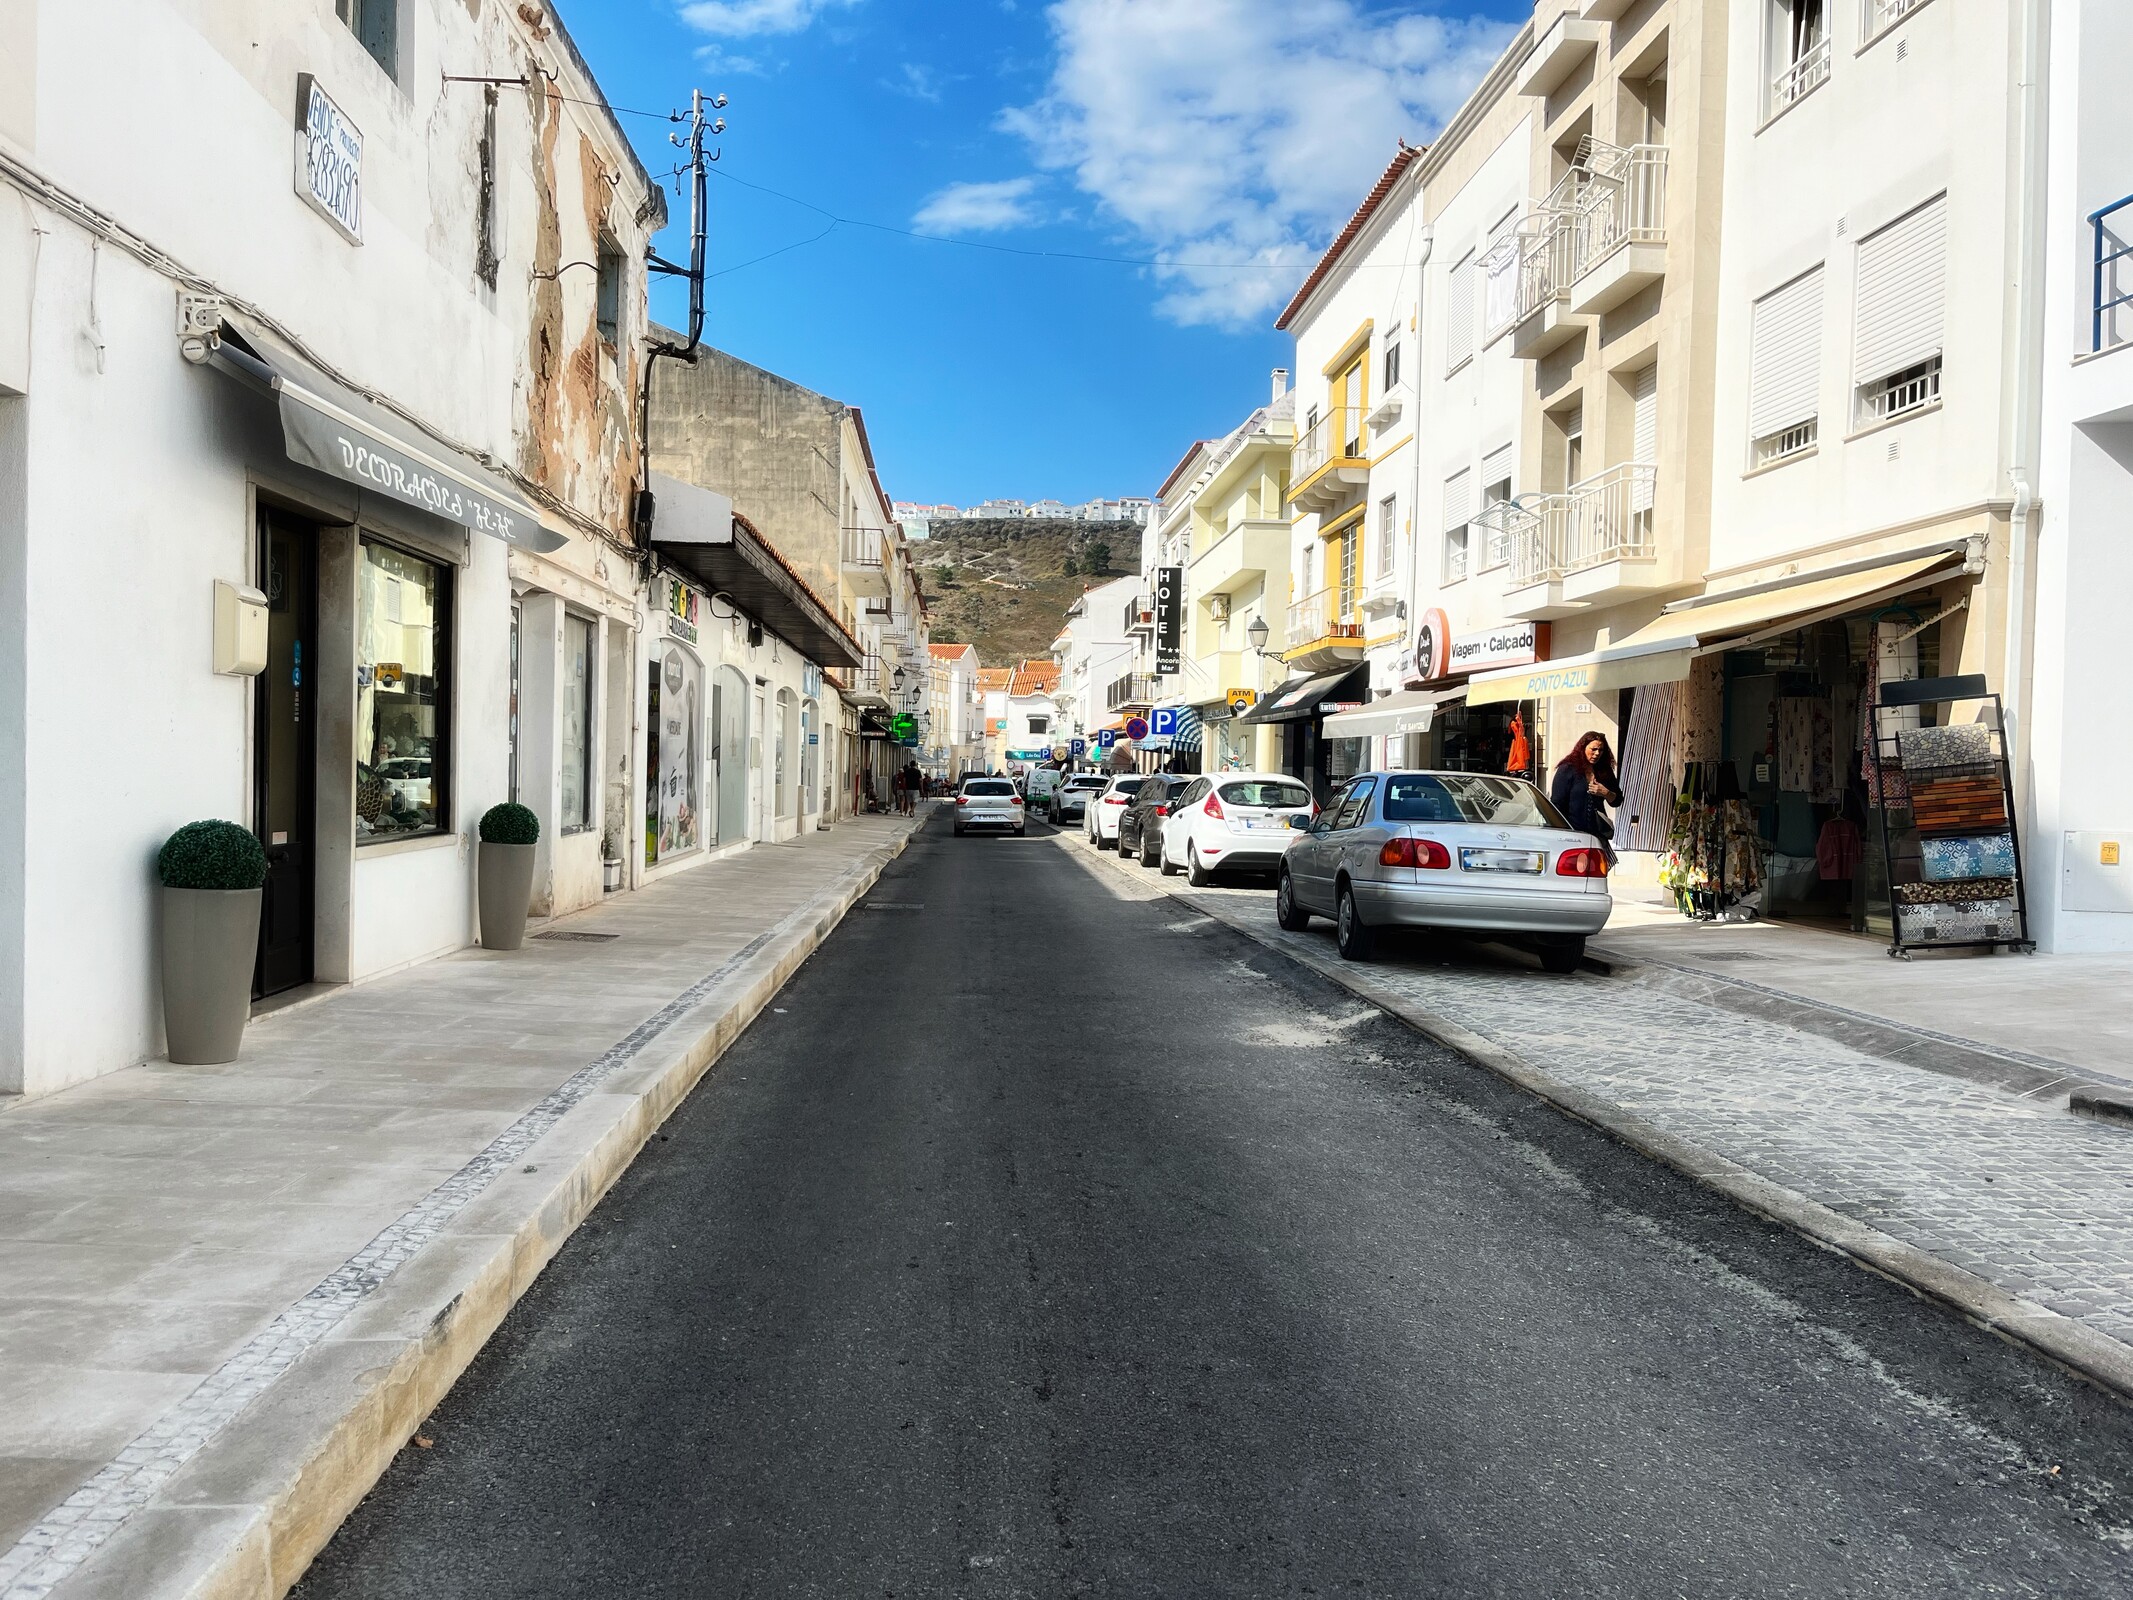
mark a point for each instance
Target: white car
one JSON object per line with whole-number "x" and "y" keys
{"x": 1460, "y": 851}
{"x": 1233, "y": 821}
{"x": 1070, "y": 801}
{"x": 989, "y": 803}
{"x": 1099, "y": 821}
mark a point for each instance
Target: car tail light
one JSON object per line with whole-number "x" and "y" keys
{"x": 1414, "y": 853}
{"x": 1113, "y": 800}
{"x": 1162, "y": 811}
{"x": 962, "y": 799}
{"x": 1582, "y": 863}
{"x": 1213, "y": 808}
{"x": 1015, "y": 800}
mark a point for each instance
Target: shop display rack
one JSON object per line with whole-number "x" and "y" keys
{"x": 1967, "y": 889}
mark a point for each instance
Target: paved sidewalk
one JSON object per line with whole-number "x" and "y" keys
{"x": 1990, "y": 1198}
{"x": 2060, "y": 1014}
{"x": 227, "y": 1294}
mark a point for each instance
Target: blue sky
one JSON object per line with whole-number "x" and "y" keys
{"x": 1224, "y": 139}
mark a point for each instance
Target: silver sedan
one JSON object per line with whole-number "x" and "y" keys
{"x": 1463, "y": 851}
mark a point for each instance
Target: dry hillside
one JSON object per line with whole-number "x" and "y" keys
{"x": 1004, "y": 586}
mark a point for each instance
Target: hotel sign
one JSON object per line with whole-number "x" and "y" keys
{"x": 329, "y": 159}
{"x": 1169, "y": 620}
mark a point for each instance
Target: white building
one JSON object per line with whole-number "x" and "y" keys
{"x": 301, "y": 370}
{"x": 1094, "y": 650}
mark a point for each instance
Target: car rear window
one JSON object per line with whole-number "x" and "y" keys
{"x": 1130, "y": 785}
{"x": 1258, "y": 792}
{"x": 1469, "y": 797}
{"x": 1085, "y": 783}
{"x": 989, "y": 786}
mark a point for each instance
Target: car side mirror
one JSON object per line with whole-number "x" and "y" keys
{"x": 1301, "y": 824}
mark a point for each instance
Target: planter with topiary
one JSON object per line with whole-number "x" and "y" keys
{"x": 505, "y": 874}
{"x": 211, "y": 874}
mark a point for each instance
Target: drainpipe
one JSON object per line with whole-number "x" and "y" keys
{"x": 1414, "y": 493}
{"x": 2024, "y": 432}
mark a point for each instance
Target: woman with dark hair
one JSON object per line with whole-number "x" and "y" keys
{"x": 1585, "y": 786}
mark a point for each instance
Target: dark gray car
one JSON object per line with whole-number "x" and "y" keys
{"x": 1140, "y": 830}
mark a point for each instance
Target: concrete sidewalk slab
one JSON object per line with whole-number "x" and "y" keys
{"x": 2006, "y": 1208}
{"x": 227, "y": 1295}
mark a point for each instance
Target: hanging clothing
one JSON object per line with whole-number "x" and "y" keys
{"x": 1837, "y": 851}
{"x": 1796, "y": 742}
{"x": 1885, "y": 784}
{"x": 1648, "y": 769}
{"x": 1520, "y": 761}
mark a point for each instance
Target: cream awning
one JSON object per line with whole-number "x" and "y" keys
{"x": 1408, "y": 711}
{"x": 1661, "y": 650}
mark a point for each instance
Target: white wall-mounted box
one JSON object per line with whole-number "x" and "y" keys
{"x": 240, "y": 630}
{"x": 2096, "y": 871}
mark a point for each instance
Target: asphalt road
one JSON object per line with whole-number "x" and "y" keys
{"x": 1048, "y": 1242}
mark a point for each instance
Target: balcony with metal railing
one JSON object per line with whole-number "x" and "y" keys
{"x": 1798, "y": 79}
{"x": 1591, "y": 544}
{"x": 1329, "y": 464}
{"x": 862, "y": 558}
{"x": 1544, "y": 248}
{"x": 1326, "y": 630}
{"x": 1882, "y": 15}
{"x": 2111, "y": 280}
{"x": 1618, "y": 235}
{"x": 1135, "y": 690}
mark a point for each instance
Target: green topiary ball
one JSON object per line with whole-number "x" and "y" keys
{"x": 510, "y": 824}
{"x": 212, "y": 855}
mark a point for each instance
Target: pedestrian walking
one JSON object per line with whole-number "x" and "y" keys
{"x": 1585, "y": 785}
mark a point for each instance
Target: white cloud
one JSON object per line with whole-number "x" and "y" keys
{"x": 919, "y": 82}
{"x": 978, "y": 207}
{"x": 1242, "y": 130}
{"x": 742, "y": 19}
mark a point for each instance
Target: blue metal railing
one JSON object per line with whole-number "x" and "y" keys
{"x": 2109, "y": 252}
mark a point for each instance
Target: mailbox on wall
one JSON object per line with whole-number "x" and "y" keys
{"x": 240, "y": 630}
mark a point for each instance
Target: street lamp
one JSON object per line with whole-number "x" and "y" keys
{"x": 1258, "y": 633}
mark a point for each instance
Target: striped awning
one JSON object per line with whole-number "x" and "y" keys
{"x": 1188, "y": 735}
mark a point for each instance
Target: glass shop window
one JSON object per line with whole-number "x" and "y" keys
{"x": 403, "y": 656}
{"x": 576, "y": 808}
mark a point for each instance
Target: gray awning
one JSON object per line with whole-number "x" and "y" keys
{"x": 1409, "y": 711}
{"x": 696, "y": 533}
{"x": 329, "y": 427}
{"x": 1300, "y": 698}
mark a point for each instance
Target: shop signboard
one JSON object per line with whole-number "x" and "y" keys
{"x": 1169, "y": 620}
{"x": 1514, "y": 644}
{"x": 682, "y": 611}
{"x": 1240, "y": 700}
{"x": 1428, "y": 658}
{"x": 329, "y": 159}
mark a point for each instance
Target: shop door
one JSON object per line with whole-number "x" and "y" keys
{"x": 285, "y": 752}
{"x": 758, "y": 797}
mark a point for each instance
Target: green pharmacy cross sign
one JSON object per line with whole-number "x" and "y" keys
{"x": 903, "y": 728}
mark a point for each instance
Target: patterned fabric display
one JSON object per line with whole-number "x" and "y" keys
{"x": 1966, "y": 744}
{"x": 1944, "y": 894}
{"x": 1958, "y": 923}
{"x": 1957, "y": 805}
{"x": 1988, "y": 855}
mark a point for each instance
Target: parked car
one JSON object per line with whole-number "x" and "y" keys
{"x": 1071, "y": 800}
{"x": 1140, "y": 826}
{"x": 1100, "y": 820}
{"x": 1463, "y": 851}
{"x": 989, "y": 803}
{"x": 1232, "y": 822}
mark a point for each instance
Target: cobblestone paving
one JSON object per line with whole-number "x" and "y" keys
{"x": 2031, "y": 1198}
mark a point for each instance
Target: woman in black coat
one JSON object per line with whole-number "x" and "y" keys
{"x": 1584, "y": 787}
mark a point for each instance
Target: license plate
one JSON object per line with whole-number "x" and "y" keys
{"x": 1528, "y": 861}
{"x": 1265, "y": 824}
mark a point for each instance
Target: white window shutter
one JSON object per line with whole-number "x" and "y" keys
{"x": 1459, "y": 315}
{"x": 1458, "y": 499}
{"x": 1644, "y": 436}
{"x": 1785, "y": 357}
{"x": 1496, "y": 466}
{"x": 1901, "y": 293}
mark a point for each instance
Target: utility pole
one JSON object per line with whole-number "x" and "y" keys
{"x": 700, "y": 121}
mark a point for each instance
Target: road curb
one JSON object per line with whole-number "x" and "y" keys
{"x": 2063, "y": 1342}
{"x": 247, "y": 1515}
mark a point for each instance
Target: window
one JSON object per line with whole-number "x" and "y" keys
{"x": 1344, "y": 562}
{"x": 1458, "y": 513}
{"x": 1785, "y": 370}
{"x": 1882, "y": 15}
{"x": 1459, "y": 315}
{"x": 1472, "y": 797}
{"x": 1496, "y": 491}
{"x": 1798, "y": 52}
{"x": 1388, "y": 526}
{"x": 574, "y": 810}
{"x": 1644, "y": 444}
{"x": 1355, "y": 801}
{"x": 1896, "y": 342}
{"x": 403, "y": 657}
{"x": 376, "y": 25}
{"x": 1040, "y": 724}
{"x": 609, "y": 308}
{"x": 1392, "y": 365}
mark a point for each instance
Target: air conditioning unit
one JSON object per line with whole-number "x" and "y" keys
{"x": 1218, "y": 607}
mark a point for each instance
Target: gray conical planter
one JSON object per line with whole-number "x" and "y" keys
{"x": 505, "y": 889}
{"x": 210, "y": 947}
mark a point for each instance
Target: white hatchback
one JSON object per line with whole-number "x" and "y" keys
{"x": 989, "y": 803}
{"x": 1099, "y": 822}
{"x": 1234, "y": 821}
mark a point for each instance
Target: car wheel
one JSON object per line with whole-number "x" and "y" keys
{"x": 1196, "y": 872}
{"x": 1019, "y": 832}
{"x": 1351, "y": 935}
{"x": 1162, "y": 857}
{"x": 959, "y": 830}
{"x": 1287, "y": 912}
{"x": 1147, "y": 851}
{"x": 1562, "y": 955}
